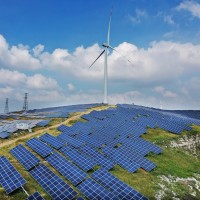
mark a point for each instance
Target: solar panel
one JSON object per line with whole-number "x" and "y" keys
{"x": 39, "y": 147}
{"x": 52, "y": 141}
{"x": 93, "y": 190}
{"x": 99, "y": 158}
{"x": 121, "y": 159}
{"x": 80, "y": 198}
{"x": 142, "y": 161}
{"x": 52, "y": 183}
{"x": 116, "y": 186}
{"x": 4, "y": 135}
{"x": 66, "y": 168}
{"x": 70, "y": 140}
{"x": 35, "y": 196}
{"x": 10, "y": 179}
{"x": 43, "y": 123}
{"x": 82, "y": 161}
{"x": 25, "y": 157}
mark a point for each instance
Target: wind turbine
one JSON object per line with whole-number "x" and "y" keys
{"x": 106, "y": 46}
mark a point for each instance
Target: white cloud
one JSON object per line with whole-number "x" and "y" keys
{"x": 43, "y": 91}
{"x": 37, "y": 50}
{"x": 192, "y": 85}
{"x": 191, "y": 6}
{"x": 139, "y": 15}
{"x": 159, "y": 89}
{"x": 6, "y": 90}
{"x": 165, "y": 93}
{"x": 127, "y": 97}
{"x": 17, "y": 79}
{"x": 169, "y": 20}
{"x": 159, "y": 65}
{"x": 13, "y": 78}
{"x": 169, "y": 34}
{"x": 97, "y": 96}
{"x": 17, "y": 56}
{"x": 168, "y": 59}
{"x": 70, "y": 87}
{"x": 47, "y": 97}
{"x": 170, "y": 94}
{"x": 39, "y": 81}
{"x": 160, "y": 62}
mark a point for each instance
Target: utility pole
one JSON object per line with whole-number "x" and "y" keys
{"x": 25, "y": 106}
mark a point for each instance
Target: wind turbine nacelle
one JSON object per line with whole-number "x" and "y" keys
{"x": 105, "y": 45}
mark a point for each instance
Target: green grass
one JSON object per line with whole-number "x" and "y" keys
{"x": 72, "y": 122}
{"x": 56, "y": 121}
{"x": 159, "y": 136}
{"x": 172, "y": 161}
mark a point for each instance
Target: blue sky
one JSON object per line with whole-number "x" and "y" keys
{"x": 47, "y": 46}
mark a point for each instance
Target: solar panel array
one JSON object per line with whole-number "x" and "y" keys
{"x": 119, "y": 130}
{"x": 60, "y": 112}
{"x": 100, "y": 133}
{"x": 38, "y": 146}
{"x": 52, "y": 183}
{"x": 4, "y": 135}
{"x": 121, "y": 159}
{"x": 52, "y": 141}
{"x": 79, "y": 159}
{"x": 98, "y": 157}
{"x": 35, "y": 196}
{"x": 70, "y": 140}
{"x": 66, "y": 168}
{"x": 10, "y": 127}
{"x": 3, "y": 116}
{"x": 43, "y": 123}
{"x": 116, "y": 186}
{"x": 10, "y": 179}
{"x": 93, "y": 190}
{"x": 25, "y": 157}
{"x": 109, "y": 137}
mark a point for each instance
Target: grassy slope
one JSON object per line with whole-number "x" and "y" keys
{"x": 175, "y": 162}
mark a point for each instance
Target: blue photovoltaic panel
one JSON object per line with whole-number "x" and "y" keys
{"x": 80, "y": 198}
{"x": 43, "y": 123}
{"x": 142, "y": 161}
{"x": 52, "y": 184}
{"x": 52, "y": 141}
{"x": 38, "y": 146}
{"x": 10, "y": 179}
{"x": 4, "y": 135}
{"x": 70, "y": 140}
{"x": 116, "y": 186}
{"x": 99, "y": 158}
{"x": 82, "y": 161}
{"x": 66, "y": 168}
{"x": 35, "y": 196}
{"x": 93, "y": 190}
{"x": 121, "y": 159}
{"x": 25, "y": 157}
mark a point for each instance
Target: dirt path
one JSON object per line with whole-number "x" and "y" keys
{"x": 6, "y": 143}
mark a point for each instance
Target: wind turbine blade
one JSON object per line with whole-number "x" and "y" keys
{"x": 98, "y": 57}
{"x": 108, "y": 37}
{"x": 121, "y": 54}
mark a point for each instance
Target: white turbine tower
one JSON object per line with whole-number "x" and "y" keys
{"x": 106, "y": 46}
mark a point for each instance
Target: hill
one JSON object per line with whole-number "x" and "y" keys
{"x": 154, "y": 151}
